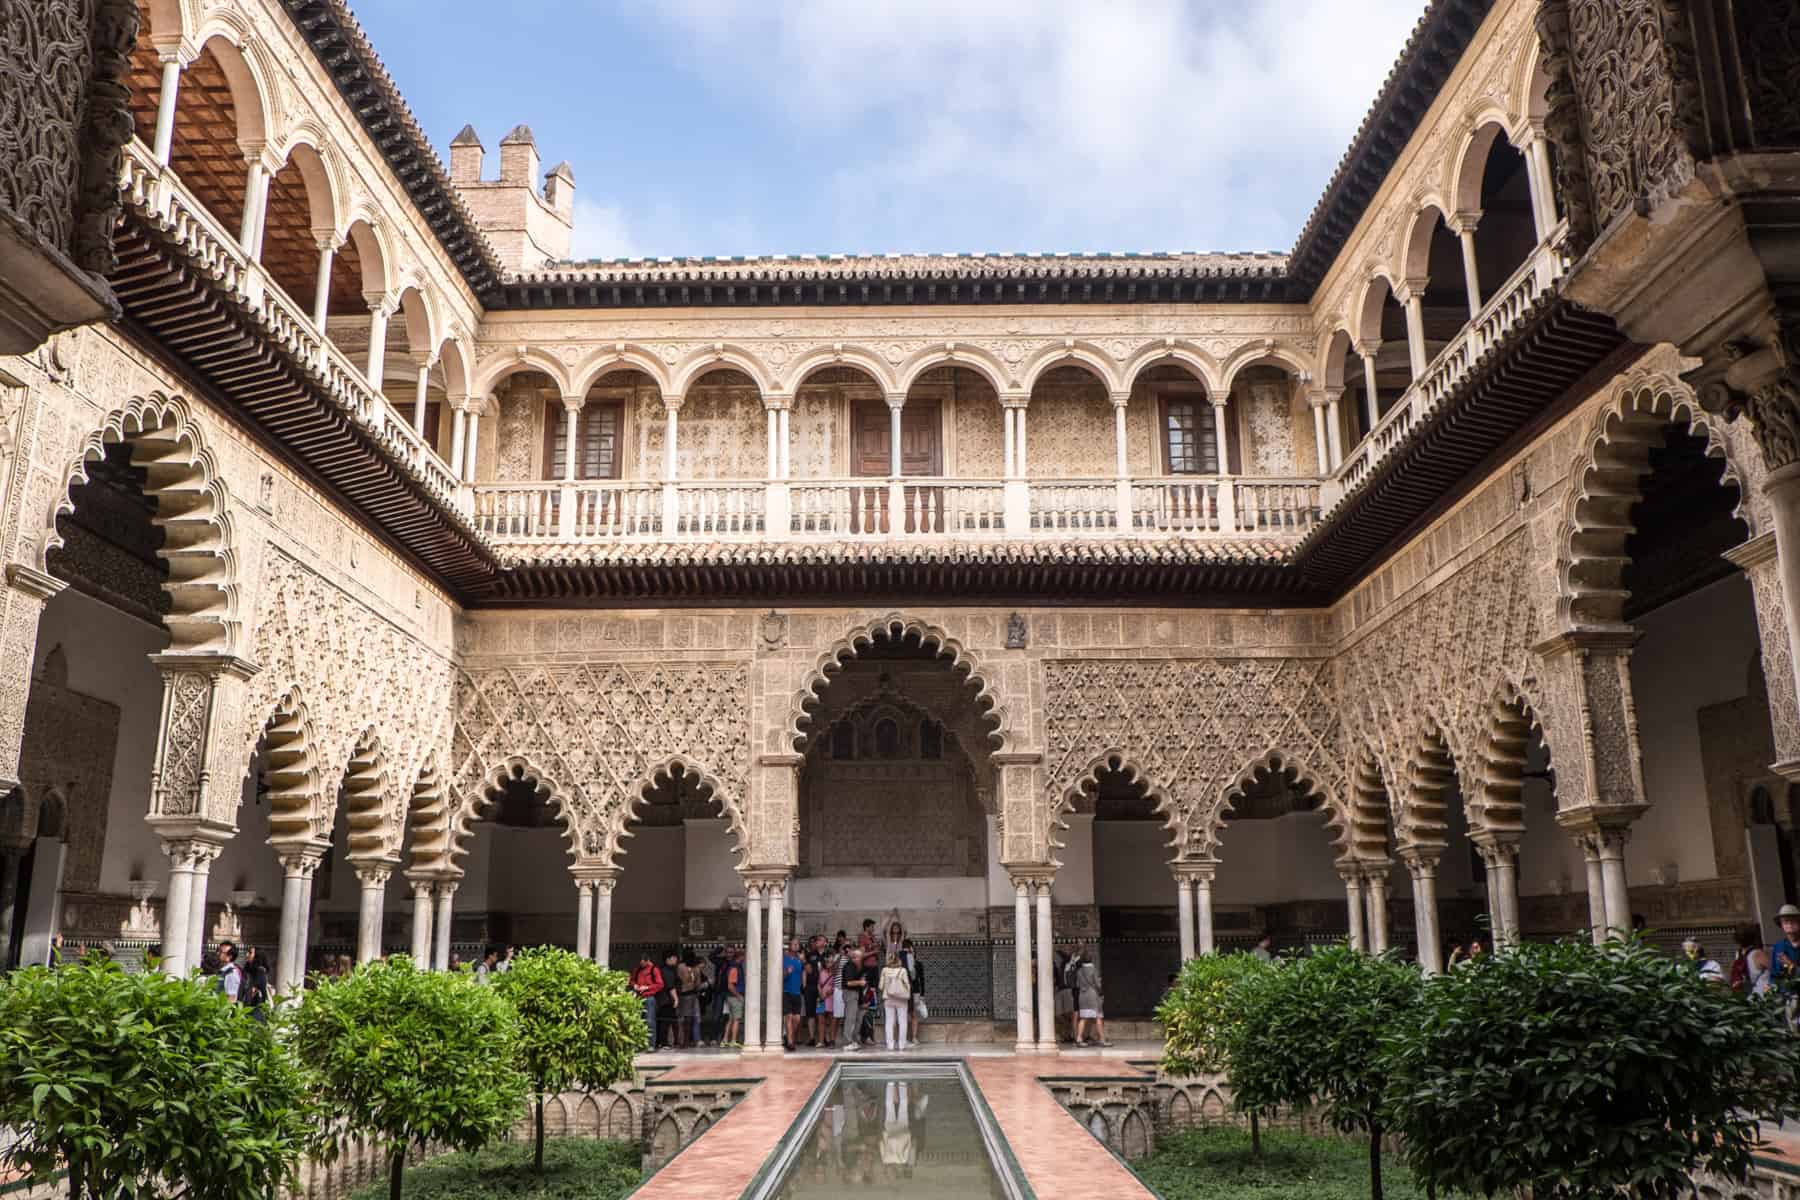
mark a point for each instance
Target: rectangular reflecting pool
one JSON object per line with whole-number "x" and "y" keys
{"x": 887, "y": 1130}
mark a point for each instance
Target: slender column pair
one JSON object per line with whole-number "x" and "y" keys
{"x": 1421, "y": 864}
{"x": 298, "y": 863}
{"x": 184, "y": 926}
{"x": 1194, "y": 907}
{"x": 433, "y": 900}
{"x": 593, "y": 916}
{"x": 1500, "y": 858}
{"x": 372, "y": 878}
{"x": 1036, "y": 1028}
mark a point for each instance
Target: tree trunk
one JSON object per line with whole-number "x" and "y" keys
{"x": 395, "y": 1166}
{"x": 1255, "y": 1135}
{"x": 74, "y": 1178}
{"x": 1374, "y": 1162}
{"x": 538, "y": 1161}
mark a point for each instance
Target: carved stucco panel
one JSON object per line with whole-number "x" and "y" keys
{"x": 1777, "y": 657}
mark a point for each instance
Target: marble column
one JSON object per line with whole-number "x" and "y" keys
{"x": 1019, "y": 434}
{"x": 753, "y": 961}
{"x": 421, "y": 395}
{"x": 380, "y": 309}
{"x": 774, "y": 1032}
{"x": 1008, "y": 469}
{"x": 1184, "y": 915}
{"x": 1022, "y": 1010}
{"x": 297, "y": 866}
{"x": 1046, "y": 973}
{"x": 1320, "y": 448}
{"x": 1371, "y": 397}
{"x": 472, "y": 442}
{"x": 1219, "y": 436}
{"x": 196, "y": 936}
{"x": 1353, "y": 900}
{"x": 1596, "y": 889}
{"x": 1334, "y": 438}
{"x": 372, "y": 879}
{"x": 459, "y": 425}
{"x": 1465, "y": 236}
{"x": 256, "y": 194}
{"x": 176, "y": 908}
{"x": 165, "y": 102}
{"x": 1500, "y": 857}
{"x": 440, "y": 923}
{"x": 1375, "y": 884}
{"x": 1612, "y": 878}
{"x": 584, "y": 918}
{"x": 1422, "y": 866}
{"x": 1203, "y": 912}
{"x": 603, "y": 892}
{"x": 421, "y": 930}
{"x": 1414, "y": 303}
{"x": 327, "y": 243}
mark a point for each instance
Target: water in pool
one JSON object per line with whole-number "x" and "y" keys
{"x": 875, "y": 1139}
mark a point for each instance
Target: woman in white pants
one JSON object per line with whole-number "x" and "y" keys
{"x": 896, "y": 1000}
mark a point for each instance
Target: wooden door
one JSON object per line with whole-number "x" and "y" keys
{"x": 921, "y": 453}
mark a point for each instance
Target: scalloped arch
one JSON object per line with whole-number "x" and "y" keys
{"x": 1429, "y": 774}
{"x": 897, "y": 626}
{"x": 515, "y": 767}
{"x": 297, "y": 807}
{"x": 368, "y": 800}
{"x": 618, "y": 823}
{"x": 1120, "y": 760}
{"x": 1275, "y": 760}
{"x": 193, "y": 508}
{"x": 1607, "y": 480}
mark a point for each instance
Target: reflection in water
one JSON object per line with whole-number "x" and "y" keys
{"x": 876, "y": 1139}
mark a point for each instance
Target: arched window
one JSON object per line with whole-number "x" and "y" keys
{"x": 596, "y": 440}
{"x": 1189, "y": 436}
{"x": 887, "y": 739}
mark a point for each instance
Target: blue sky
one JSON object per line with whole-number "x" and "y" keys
{"x": 832, "y": 126}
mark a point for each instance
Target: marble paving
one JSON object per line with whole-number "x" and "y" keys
{"x": 1061, "y": 1160}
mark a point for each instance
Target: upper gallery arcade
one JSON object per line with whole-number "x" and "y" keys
{"x": 1439, "y": 566}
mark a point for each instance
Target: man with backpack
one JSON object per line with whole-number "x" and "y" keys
{"x": 230, "y": 979}
{"x": 647, "y": 982}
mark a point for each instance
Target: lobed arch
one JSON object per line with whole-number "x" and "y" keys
{"x": 1073, "y": 353}
{"x": 367, "y": 790}
{"x": 824, "y": 358}
{"x": 955, "y": 354}
{"x": 428, "y": 816}
{"x": 1606, "y": 481}
{"x": 719, "y": 356}
{"x": 496, "y": 368}
{"x": 290, "y": 743}
{"x": 1274, "y": 761}
{"x": 476, "y": 806}
{"x": 1369, "y": 810}
{"x": 898, "y": 627}
{"x": 1174, "y": 352}
{"x": 193, "y": 509}
{"x": 621, "y": 356}
{"x": 1506, "y": 723}
{"x": 617, "y": 825}
{"x": 1261, "y": 354}
{"x": 1119, "y": 759}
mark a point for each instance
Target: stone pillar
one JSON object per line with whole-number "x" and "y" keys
{"x": 1500, "y": 856}
{"x": 1415, "y": 326}
{"x": 1375, "y": 881}
{"x": 1760, "y": 561}
{"x": 1317, "y": 403}
{"x": 1371, "y": 398}
{"x": 1334, "y": 438}
{"x": 1421, "y": 864}
{"x": 772, "y": 452}
{"x": 1782, "y": 487}
{"x": 1121, "y": 462}
{"x": 584, "y": 918}
{"x": 1596, "y": 888}
{"x": 380, "y": 309}
{"x": 1218, "y": 412}
{"x": 1184, "y": 915}
{"x": 196, "y": 935}
{"x": 187, "y": 856}
{"x": 1019, "y": 451}
{"x": 1007, "y": 469}
{"x": 1022, "y": 1010}
{"x": 372, "y": 878}
{"x": 1464, "y": 226}
{"x": 894, "y": 415}
{"x": 172, "y": 63}
{"x": 256, "y": 194}
{"x": 440, "y": 923}
{"x": 572, "y": 406}
{"x": 327, "y": 242}
{"x": 21, "y": 607}
{"x": 1203, "y": 911}
{"x": 421, "y": 393}
{"x": 472, "y": 443}
{"x": 459, "y": 421}
{"x": 1046, "y": 961}
{"x": 753, "y": 960}
{"x": 603, "y": 892}
{"x": 298, "y": 862}
{"x": 1610, "y": 850}
{"x": 774, "y": 1032}
{"x": 1540, "y": 179}
{"x": 671, "y": 501}
{"x": 1353, "y": 899}
{"x": 421, "y": 930}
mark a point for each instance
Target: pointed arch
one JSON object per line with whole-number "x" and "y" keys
{"x": 617, "y": 826}
{"x": 296, "y": 804}
{"x": 1496, "y": 802}
{"x": 897, "y": 627}
{"x": 1369, "y": 811}
{"x": 1607, "y": 482}
{"x": 367, "y": 792}
{"x": 182, "y": 477}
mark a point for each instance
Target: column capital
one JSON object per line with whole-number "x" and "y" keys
{"x": 1194, "y": 872}
{"x": 174, "y": 48}
{"x": 1497, "y": 849}
{"x": 1606, "y": 824}
{"x": 32, "y": 582}
{"x": 1366, "y": 347}
{"x": 600, "y": 878}
{"x": 423, "y": 359}
{"x": 374, "y": 873}
{"x": 1412, "y": 288}
{"x": 301, "y": 858}
{"x": 327, "y": 239}
{"x": 1463, "y": 220}
{"x": 894, "y": 399}
{"x": 1755, "y": 552}
{"x": 213, "y": 666}
{"x": 1020, "y": 400}
{"x": 672, "y": 404}
{"x": 1616, "y": 640}
{"x": 1421, "y": 860}
{"x": 574, "y": 404}
{"x": 1120, "y": 399}
{"x": 1352, "y": 873}
{"x": 382, "y": 304}
{"x": 1316, "y": 398}
{"x": 778, "y": 401}
{"x": 1029, "y": 875}
{"x": 192, "y": 854}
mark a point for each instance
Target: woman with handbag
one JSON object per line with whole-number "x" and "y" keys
{"x": 1089, "y": 998}
{"x": 896, "y": 1000}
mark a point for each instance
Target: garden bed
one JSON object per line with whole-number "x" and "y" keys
{"x": 574, "y": 1169}
{"x": 1216, "y": 1164}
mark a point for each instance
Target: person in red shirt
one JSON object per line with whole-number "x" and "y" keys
{"x": 647, "y": 982}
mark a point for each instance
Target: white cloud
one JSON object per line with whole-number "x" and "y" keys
{"x": 600, "y": 232}
{"x": 1148, "y": 124}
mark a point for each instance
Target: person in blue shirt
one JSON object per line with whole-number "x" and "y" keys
{"x": 793, "y": 978}
{"x": 1784, "y": 960}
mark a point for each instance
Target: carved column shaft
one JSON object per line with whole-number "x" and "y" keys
{"x": 1353, "y": 899}
{"x": 421, "y": 929}
{"x": 440, "y": 921}
{"x": 584, "y": 918}
{"x": 372, "y": 894}
{"x": 1375, "y": 882}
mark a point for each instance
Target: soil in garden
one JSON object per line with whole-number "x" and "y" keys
{"x": 1216, "y": 1164}
{"x": 574, "y": 1169}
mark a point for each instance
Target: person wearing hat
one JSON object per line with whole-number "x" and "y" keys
{"x": 1784, "y": 957}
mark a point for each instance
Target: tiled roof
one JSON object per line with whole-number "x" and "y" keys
{"x": 1172, "y": 551}
{"x": 1183, "y": 264}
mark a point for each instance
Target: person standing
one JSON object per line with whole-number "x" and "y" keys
{"x": 231, "y": 977}
{"x": 1065, "y": 996}
{"x": 814, "y": 962}
{"x": 909, "y": 959}
{"x": 734, "y": 1000}
{"x": 1265, "y": 948}
{"x": 866, "y": 940}
{"x": 896, "y": 1001}
{"x": 793, "y": 992}
{"x": 850, "y": 987}
{"x": 1784, "y": 961}
{"x": 256, "y": 983}
{"x": 1089, "y": 999}
{"x": 647, "y": 982}
{"x": 688, "y": 1013}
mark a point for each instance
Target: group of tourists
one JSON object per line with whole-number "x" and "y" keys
{"x": 834, "y": 993}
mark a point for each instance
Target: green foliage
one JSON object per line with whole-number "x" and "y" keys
{"x": 1310, "y": 1032}
{"x": 574, "y": 1169}
{"x": 414, "y": 1057}
{"x": 1197, "y": 1013}
{"x": 145, "y": 1085}
{"x": 579, "y": 1024}
{"x": 1217, "y": 1164}
{"x": 1583, "y": 1071}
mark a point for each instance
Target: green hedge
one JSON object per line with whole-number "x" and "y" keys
{"x": 574, "y": 1169}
